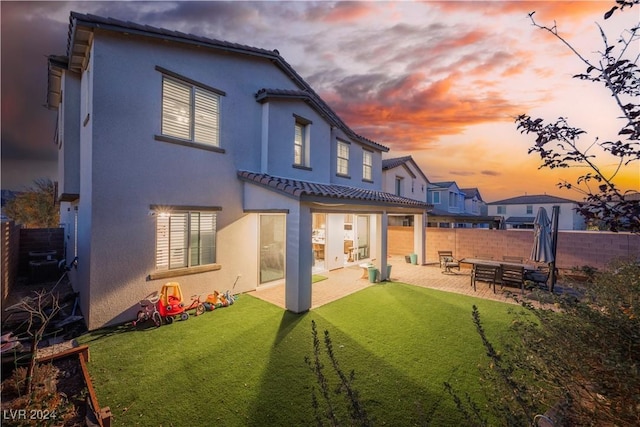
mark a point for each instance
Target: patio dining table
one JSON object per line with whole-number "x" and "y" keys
{"x": 480, "y": 261}
{"x": 500, "y": 266}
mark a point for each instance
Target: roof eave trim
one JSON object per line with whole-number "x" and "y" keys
{"x": 176, "y": 38}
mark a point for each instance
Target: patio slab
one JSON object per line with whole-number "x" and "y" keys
{"x": 345, "y": 281}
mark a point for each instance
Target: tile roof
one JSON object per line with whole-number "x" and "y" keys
{"x": 320, "y": 106}
{"x": 305, "y": 189}
{"x": 402, "y": 161}
{"x": 113, "y": 24}
{"x": 520, "y": 220}
{"x": 532, "y": 200}
{"x": 470, "y": 193}
{"x": 443, "y": 184}
{"x": 396, "y": 161}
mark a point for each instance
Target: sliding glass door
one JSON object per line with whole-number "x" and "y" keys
{"x": 272, "y": 244}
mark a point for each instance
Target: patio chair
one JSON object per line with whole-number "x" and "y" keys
{"x": 485, "y": 273}
{"x": 540, "y": 277}
{"x": 447, "y": 261}
{"x": 511, "y": 275}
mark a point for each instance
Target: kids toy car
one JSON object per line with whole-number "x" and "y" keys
{"x": 171, "y": 303}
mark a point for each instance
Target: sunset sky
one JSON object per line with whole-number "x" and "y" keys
{"x": 442, "y": 81}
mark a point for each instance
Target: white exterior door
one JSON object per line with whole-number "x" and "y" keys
{"x": 335, "y": 241}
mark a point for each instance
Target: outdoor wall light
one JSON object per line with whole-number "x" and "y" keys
{"x": 160, "y": 214}
{"x": 160, "y": 211}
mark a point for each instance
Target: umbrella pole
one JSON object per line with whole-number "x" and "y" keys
{"x": 554, "y": 245}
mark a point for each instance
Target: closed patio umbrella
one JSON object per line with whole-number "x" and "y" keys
{"x": 542, "y": 240}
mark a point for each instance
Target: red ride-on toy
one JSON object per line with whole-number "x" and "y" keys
{"x": 171, "y": 304}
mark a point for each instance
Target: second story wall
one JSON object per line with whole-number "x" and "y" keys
{"x": 68, "y": 136}
{"x": 279, "y": 158}
{"x": 405, "y": 182}
{"x": 364, "y": 168}
{"x": 449, "y": 199}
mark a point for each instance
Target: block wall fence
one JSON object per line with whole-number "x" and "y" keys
{"x": 16, "y": 244}
{"x": 575, "y": 248}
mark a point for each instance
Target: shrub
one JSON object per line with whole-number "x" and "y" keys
{"x": 578, "y": 361}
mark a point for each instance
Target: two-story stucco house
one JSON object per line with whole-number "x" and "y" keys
{"x": 473, "y": 203}
{"x": 520, "y": 212}
{"x": 457, "y": 207}
{"x": 403, "y": 177}
{"x": 446, "y": 197}
{"x": 194, "y": 160}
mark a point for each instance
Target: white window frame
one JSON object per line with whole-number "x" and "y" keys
{"x": 299, "y": 149}
{"x": 342, "y": 158}
{"x": 435, "y": 196}
{"x": 502, "y": 210}
{"x": 367, "y": 165}
{"x": 190, "y": 112}
{"x": 529, "y": 209}
{"x": 176, "y": 232}
{"x": 301, "y": 143}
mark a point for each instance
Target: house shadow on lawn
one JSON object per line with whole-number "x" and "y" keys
{"x": 283, "y": 400}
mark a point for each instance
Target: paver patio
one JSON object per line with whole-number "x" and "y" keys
{"x": 345, "y": 281}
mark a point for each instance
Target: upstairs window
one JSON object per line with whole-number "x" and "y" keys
{"x": 367, "y": 166}
{"x": 436, "y": 197}
{"x": 398, "y": 189}
{"x": 529, "y": 209}
{"x": 190, "y": 113}
{"x": 185, "y": 239}
{"x": 301, "y": 155}
{"x": 502, "y": 210}
{"x": 343, "y": 158}
{"x": 452, "y": 200}
{"x": 298, "y": 145}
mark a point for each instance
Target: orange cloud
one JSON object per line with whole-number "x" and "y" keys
{"x": 412, "y": 113}
{"x": 546, "y": 10}
{"x": 340, "y": 12}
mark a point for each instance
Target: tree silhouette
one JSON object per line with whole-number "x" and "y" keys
{"x": 558, "y": 143}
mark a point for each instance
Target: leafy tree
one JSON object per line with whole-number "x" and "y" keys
{"x": 557, "y": 143}
{"x": 36, "y": 207}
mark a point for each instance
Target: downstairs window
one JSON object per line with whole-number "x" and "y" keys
{"x": 185, "y": 239}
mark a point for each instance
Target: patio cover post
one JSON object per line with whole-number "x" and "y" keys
{"x": 555, "y": 217}
{"x": 299, "y": 260}
{"x": 419, "y": 240}
{"x": 382, "y": 226}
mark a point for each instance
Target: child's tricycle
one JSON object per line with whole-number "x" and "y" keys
{"x": 170, "y": 304}
{"x": 149, "y": 311}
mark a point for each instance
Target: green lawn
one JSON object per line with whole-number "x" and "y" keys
{"x": 244, "y": 365}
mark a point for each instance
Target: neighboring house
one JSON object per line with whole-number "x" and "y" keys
{"x": 403, "y": 177}
{"x": 446, "y": 197}
{"x": 199, "y": 161}
{"x": 520, "y": 212}
{"x": 473, "y": 203}
{"x": 456, "y": 207}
